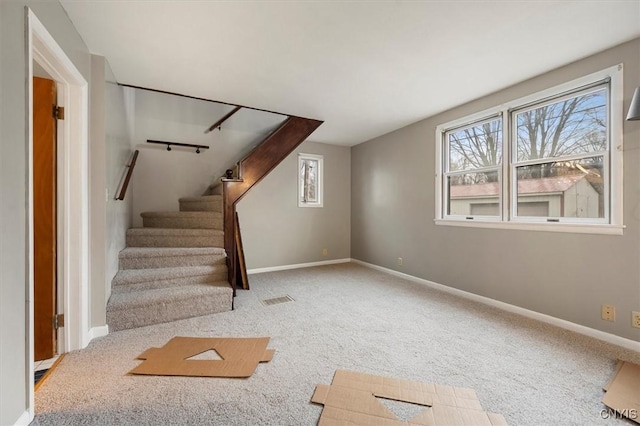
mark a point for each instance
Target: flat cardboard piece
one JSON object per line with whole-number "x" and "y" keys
{"x": 623, "y": 392}
{"x": 240, "y": 357}
{"x": 351, "y": 399}
{"x": 615, "y": 373}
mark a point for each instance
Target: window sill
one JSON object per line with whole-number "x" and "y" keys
{"x": 546, "y": 227}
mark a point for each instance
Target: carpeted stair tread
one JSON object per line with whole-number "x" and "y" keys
{"x": 168, "y": 257}
{"x": 170, "y": 237}
{"x": 139, "y": 309}
{"x": 130, "y": 276}
{"x": 202, "y": 203}
{"x": 125, "y": 283}
{"x": 183, "y": 219}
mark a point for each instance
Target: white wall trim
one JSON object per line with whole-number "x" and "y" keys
{"x": 73, "y": 195}
{"x": 567, "y": 325}
{"x": 298, "y": 265}
{"x": 96, "y": 332}
{"x": 72, "y": 180}
{"x": 23, "y": 420}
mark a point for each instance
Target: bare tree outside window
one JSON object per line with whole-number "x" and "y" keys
{"x": 476, "y": 147}
{"x": 573, "y": 126}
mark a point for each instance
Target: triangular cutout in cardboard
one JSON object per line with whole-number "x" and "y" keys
{"x": 354, "y": 398}
{"x": 401, "y": 409}
{"x": 239, "y": 357}
{"x": 208, "y": 355}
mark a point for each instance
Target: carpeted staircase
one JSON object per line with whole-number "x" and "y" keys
{"x": 172, "y": 268}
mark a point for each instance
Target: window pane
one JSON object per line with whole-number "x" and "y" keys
{"x": 562, "y": 189}
{"x": 572, "y": 126}
{"x": 475, "y": 147}
{"x": 474, "y": 194}
{"x": 308, "y": 180}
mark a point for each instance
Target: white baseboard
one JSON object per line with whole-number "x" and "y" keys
{"x": 577, "y": 328}
{"x": 24, "y": 419}
{"x": 296, "y": 266}
{"x": 94, "y": 332}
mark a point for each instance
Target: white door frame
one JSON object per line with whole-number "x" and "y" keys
{"x": 72, "y": 196}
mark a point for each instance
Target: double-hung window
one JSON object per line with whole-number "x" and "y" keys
{"x": 549, "y": 161}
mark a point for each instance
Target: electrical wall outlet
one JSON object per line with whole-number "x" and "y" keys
{"x": 635, "y": 319}
{"x": 400, "y": 261}
{"x": 608, "y": 312}
{"x": 325, "y": 252}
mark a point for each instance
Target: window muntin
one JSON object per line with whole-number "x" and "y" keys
{"x": 572, "y": 132}
{"x": 310, "y": 180}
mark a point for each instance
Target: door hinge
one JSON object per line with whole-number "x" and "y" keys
{"x": 58, "y": 321}
{"x": 58, "y": 112}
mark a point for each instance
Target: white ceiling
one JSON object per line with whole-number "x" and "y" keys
{"x": 364, "y": 67}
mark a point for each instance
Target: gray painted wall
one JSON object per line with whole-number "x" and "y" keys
{"x": 109, "y": 153}
{"x": 97, "y": 183}
{"x": 13, "y": 187}
{"x": 118, "y": 152}
{"x": 564, "y": 275}
{"x": 276, "y": 232}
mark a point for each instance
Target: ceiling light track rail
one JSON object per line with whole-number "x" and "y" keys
{"x": 186, "y": 145}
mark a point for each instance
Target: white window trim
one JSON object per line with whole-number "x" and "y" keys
{"x": 506, "y": 221}
{"x": 320, "y": 183}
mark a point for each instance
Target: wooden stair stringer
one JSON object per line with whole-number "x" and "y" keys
{"x": 255, "y": 167}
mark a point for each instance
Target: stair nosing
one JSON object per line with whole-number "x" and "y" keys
{"x": 180, "y": 213}
{"x": 193, "y": 231}
{"x": 134, "y": 252}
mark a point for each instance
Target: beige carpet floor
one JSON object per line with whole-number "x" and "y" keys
{"x": 343, "y": 316}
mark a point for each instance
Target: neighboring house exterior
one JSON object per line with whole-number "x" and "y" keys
{"x": 559, "y": 196}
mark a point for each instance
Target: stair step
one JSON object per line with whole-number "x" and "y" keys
{"x": 168, "y": 257}
{"x": 132, "y": 280}
{"x": 183, "y": 220}
{"x": 210, "y": 203}
{"x": 163, "y": 237}
{"x": 139, "y": 309}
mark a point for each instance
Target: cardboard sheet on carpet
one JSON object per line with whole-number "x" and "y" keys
{"x": 352, "y": 399}
{"x": 623, "y": 391}
{"x": 239, "y": 357}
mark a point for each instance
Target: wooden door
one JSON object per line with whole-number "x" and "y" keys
{"x": 44, "y": 216}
